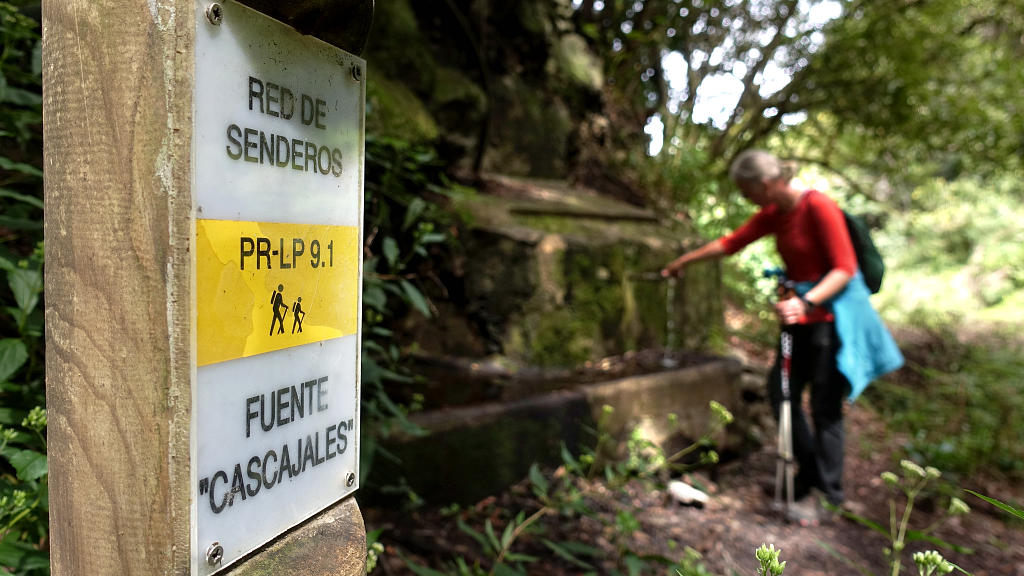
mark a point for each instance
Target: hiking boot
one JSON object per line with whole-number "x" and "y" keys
{"x": 806, "y": 512}
{"x": 810, "y": 510}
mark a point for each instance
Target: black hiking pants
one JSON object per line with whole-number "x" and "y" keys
{"x": 819, "y": 453}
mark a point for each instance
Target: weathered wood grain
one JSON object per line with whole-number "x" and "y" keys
{"x": 117, "y": 88}
{"x": 332, "y": 543}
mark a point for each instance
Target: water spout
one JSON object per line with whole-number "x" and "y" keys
{"x": 670, "y": 324}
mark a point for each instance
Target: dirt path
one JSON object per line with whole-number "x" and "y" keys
{"x": 729, "y": 528}
{"x": 739, "y": 519}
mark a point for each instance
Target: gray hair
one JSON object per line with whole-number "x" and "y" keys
{"x": 757, "y": 165}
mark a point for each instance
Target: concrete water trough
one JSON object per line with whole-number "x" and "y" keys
{"x": 474, "y": 450}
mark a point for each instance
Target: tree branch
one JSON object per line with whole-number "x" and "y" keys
{"x": 826, "y": 165}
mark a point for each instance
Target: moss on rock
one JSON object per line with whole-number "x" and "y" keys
{"x": 559, "y": 338}
{"x": 556, "y": 289}
{"x": 392, "y": 110}
{"x": 530, "y": 130}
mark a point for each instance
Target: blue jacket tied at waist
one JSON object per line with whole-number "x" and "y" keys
{"x": 866, "y": 350}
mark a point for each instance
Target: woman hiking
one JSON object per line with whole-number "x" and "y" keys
{"x": 838, "y": 342}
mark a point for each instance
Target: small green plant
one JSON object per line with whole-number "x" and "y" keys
{"x": 971, "y": 417}
{"x": 906, "y": 488}
{"x": 374, "y": 549}
{"x": 691, "y": 564}
{"x": 768, "y": 556}
{"x": 931, "y": 562}
{"x": 913, "y": 481}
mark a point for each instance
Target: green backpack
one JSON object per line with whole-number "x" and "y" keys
{"x": 868, "y": 258}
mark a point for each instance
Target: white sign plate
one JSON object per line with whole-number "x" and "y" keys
{"x": 278, "y": 195}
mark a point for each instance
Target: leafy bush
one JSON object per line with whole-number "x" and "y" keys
{"x": 23, "y": 469}
{"x": 960, "y": 248}
{"x": 405, "y": 228}
{"x": 964, "y": 415}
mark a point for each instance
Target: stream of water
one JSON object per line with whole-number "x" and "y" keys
{"x": 670, "y": 323}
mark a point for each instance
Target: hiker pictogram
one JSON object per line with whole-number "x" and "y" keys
{"x": 298, "y": 314}
{"x": 276, "y": 305}
{"x": 279, "y": 309}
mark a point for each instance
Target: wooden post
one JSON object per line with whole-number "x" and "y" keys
{"x": 117, "y": 79}
{"x": 118, "y": 120}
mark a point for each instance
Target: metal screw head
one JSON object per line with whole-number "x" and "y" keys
{"x": 357, "y": 72}
{"x": 215, "y": 13}
{"x": 350, "y": 480}
{"x": 214, "y": 554}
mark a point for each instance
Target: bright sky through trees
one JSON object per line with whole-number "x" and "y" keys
{"x": 718, "y": 94}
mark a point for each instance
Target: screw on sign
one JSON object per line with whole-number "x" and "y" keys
{"x": 215, "y": 14}
{"x": 214, "y": 554}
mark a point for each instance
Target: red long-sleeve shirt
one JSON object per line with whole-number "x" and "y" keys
{"x": 811, "y": 238}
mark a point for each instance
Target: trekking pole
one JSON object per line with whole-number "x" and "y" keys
{"x": 784, "y": 463}
{"x": 784, "y": 467}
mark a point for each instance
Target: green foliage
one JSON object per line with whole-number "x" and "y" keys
{"x": 768, "y": 557}
{"x": 885, "y": 93}
{"x": 374, "y": 549}
{"x": 20, "y": 84}
{"x": 959, "y": 249}
{"x": 710, "y": 41}
{"x": 955, "y": 222}
{"x": 964, "y": 415}
{"x": 405, "y": 228}
{"x": 23, "y": 471}
{"x": 931, "y": 562}
{"x": 928, "y": 81}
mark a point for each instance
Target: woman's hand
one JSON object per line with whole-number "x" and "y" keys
{"x": 710, "y": 250}
{"x": 791, "y": 310}
{"x": 674, "y": 268}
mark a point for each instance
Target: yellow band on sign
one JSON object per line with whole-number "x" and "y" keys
{"x": 264, "y": 286}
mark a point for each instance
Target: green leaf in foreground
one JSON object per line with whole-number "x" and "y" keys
{"x": 506, "y": 570}
{"x": 1001, "y": 505}
{"x": 30, "y": 200}
{"x": 480, "y": 538}
{"x": 562, "y": 551}
{"x": 13, "y": 355}
{"x": 29, "y": 464}
{"x": 416, "y": 298}
{"x": 418, "y": 569}
{"x": 23, "y": 555}
{"x": 540, "y": 483}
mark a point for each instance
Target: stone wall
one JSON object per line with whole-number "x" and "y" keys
{"x": 555, "y": 276}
